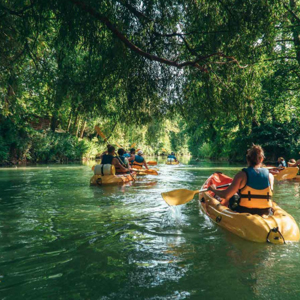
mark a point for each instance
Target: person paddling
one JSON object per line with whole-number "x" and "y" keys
{"x": 251, "y": 189}
{"x": 138, "y": 161}
{"x": 281, "y": 162}
{"x": 126, "y": 154}
{"x": 123, "y": 161}
{"x": 172, "y": 156}
{"x": 293, "y": 163}
{"x": 109, "y": 158}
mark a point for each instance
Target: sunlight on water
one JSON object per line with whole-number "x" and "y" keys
{"x": 62, "y": 239}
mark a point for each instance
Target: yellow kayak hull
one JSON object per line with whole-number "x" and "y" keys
{"x": 284, "y": 174}
{"x": 111, "y": 179}
{"x": 297, "y": 178}
{"x": 172, "y": 163}
{"x": 276, "y": 229}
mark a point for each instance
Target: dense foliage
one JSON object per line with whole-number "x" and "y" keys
{"x": 209, "y": 77}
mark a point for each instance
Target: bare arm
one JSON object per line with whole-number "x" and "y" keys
{"x": 116, "y": 163}
{"x": 238, "y": 182}
{"x": 127, "y": 163}
{"x": 271, "y": 179}
{"x": 145, "y": 164}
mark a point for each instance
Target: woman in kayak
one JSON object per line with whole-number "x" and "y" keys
{"x": 251, "y": 189}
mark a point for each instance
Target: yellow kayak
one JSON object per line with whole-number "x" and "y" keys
{"x": 284, "y": 173}
{"x": 276, "y": 229}
{"x": 112, "y": 179}
{"x": 172, "y": 162}
{"x": 297, "y": 178}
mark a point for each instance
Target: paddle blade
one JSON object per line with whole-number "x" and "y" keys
{"x": 179, "y": 197}
{"x": 152, "y": 163}
{"x": 164, "y": 150}
{"x": 118, "y": 145}
{"x": 99, "y": 132}
{"x": 287, "y": 173}
{"x": 133, "y": 145}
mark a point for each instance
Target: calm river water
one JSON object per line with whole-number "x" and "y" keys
{"x": 62, "y": 239}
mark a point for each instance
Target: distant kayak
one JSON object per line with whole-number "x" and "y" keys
{"x": 276, "y": 229}
{"x": 284, "y": 173}
{"x": 112, "y": 179}
{"x": 172, "y": 162}
{"x": 297, "y": 178}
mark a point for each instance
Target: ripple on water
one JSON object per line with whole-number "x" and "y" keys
{"x": 61, "y": 238}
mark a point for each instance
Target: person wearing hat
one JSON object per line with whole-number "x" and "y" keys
{"x": 138, "y": 161}
{"x": 172, "y": 155}
{"x": 294, "y": 163}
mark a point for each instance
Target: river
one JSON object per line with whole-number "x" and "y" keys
{"x": 62, "y": 239}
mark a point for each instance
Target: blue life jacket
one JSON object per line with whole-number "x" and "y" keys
{"x": 126, "y": 155}
{"x": 257, "y": 192}
{"x": 257, "y": 178}
{"x": 138, "y": 161}
{"x": 172, "y": 156}
{"x": 107, "y": 159}
{"x": 282, "y": 164}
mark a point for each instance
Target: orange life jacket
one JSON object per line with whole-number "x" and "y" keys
{"x": 257, "y": 192}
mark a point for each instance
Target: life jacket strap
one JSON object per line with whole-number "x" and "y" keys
{"x": 250, "y": 196}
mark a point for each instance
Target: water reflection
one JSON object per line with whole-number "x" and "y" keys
{"x": 61, "y": 238}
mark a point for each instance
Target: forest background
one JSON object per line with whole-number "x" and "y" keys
{"x": 202, "y": 77}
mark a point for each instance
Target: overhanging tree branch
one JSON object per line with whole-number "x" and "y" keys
{"x": 174, "y": 63}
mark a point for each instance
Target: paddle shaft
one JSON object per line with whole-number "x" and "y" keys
{"x": 218, "y": 187}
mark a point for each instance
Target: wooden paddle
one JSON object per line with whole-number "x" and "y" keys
{"x": 182, "y": 196}
{"x": 152, "y": 163}
{"x": 99, "y": 132}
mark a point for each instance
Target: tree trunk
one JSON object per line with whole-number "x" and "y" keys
{"x": 69, "y": 122}
{"x": 75, "y": 122}
{"x": 77, "y": 130}
{"x": 53, "y": 122}
{"x": 82, "y": 129}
